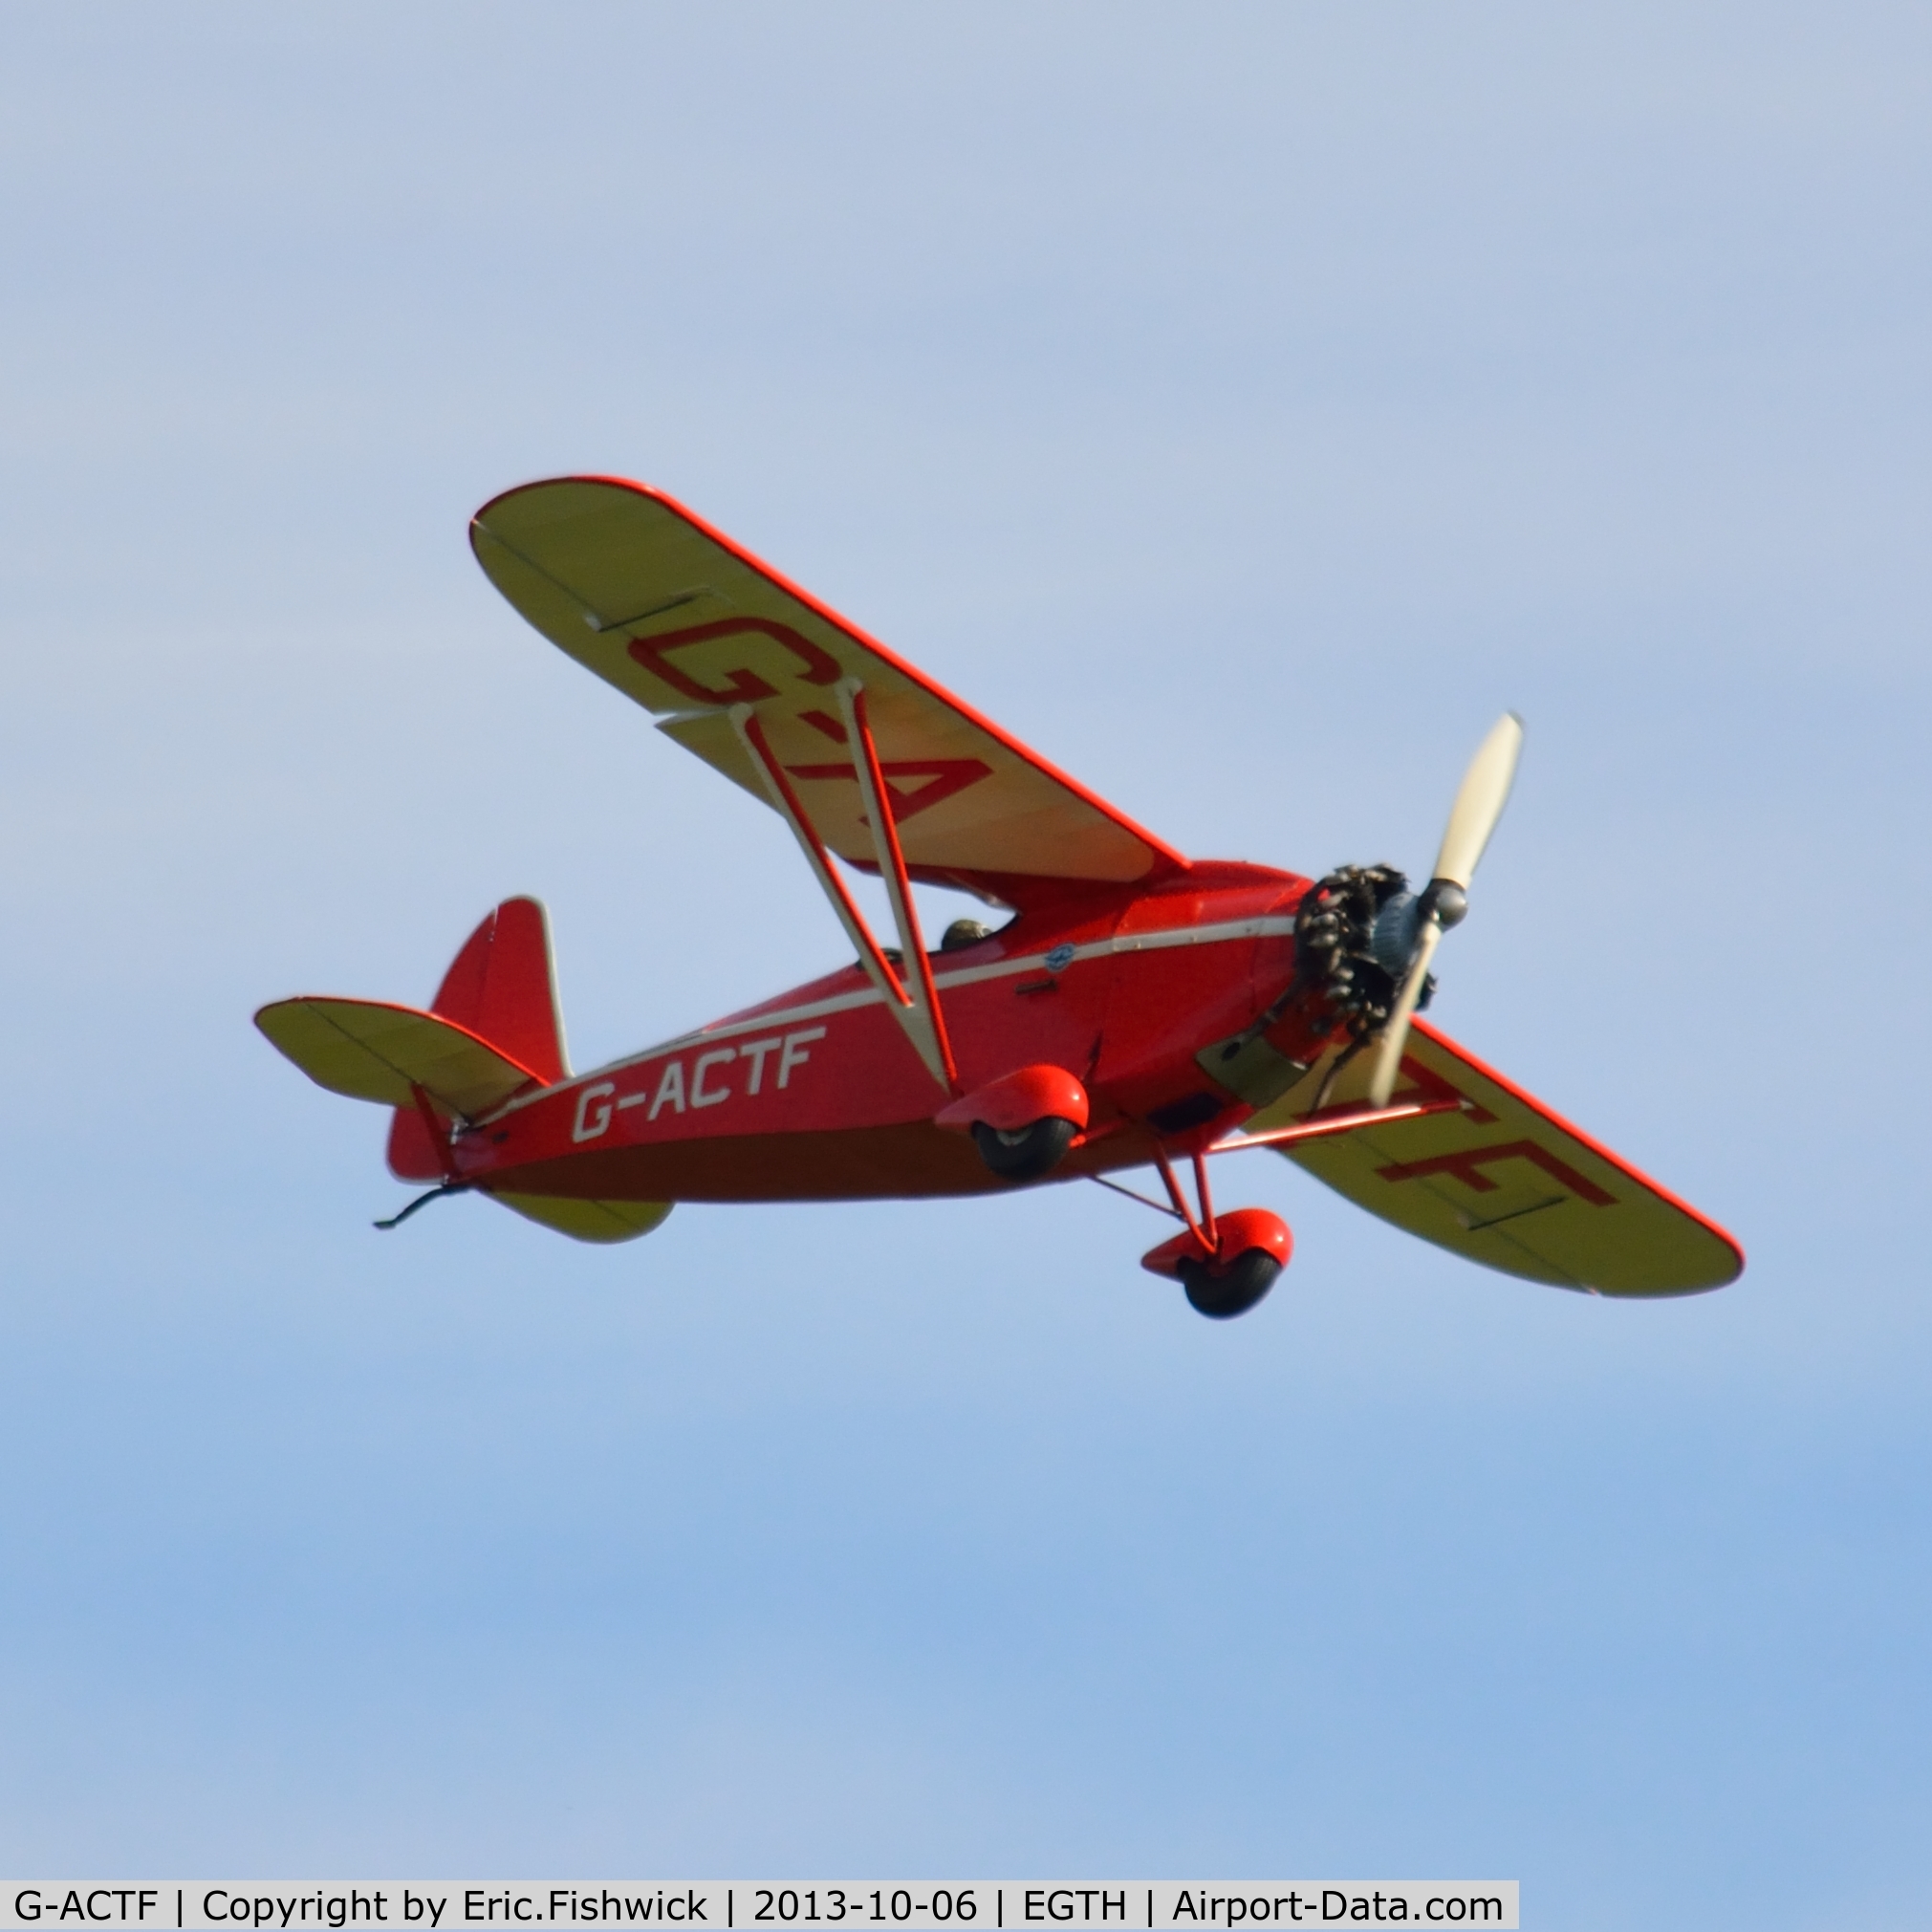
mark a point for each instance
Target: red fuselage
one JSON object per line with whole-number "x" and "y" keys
{"x": 817, "y": 1094}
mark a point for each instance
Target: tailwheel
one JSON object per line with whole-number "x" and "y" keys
{"x": 1024, "y": 1152}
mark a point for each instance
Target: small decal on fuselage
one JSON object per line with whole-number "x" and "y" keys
{"x": 689, "y": 1082}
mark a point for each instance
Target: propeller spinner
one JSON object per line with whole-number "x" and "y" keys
{"x": 1479, "y": 804}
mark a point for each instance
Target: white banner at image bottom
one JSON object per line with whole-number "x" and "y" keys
{"x": 792, "y": 1905}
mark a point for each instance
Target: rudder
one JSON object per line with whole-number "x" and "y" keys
{"x": 502, "y": 985}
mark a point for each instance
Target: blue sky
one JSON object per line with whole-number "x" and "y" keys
{"x": 1244, "y": 404}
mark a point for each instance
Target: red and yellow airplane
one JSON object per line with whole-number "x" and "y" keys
{"x": 1136, "y": 1009}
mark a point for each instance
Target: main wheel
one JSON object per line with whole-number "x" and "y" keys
{"x": 1026, "y": 1152}
{"x": 1235, "y": 1289}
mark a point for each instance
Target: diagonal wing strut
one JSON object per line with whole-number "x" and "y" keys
{"x": 913, "y": 1005}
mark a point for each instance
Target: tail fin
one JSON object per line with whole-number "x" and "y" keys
{"x": 492, "y": 1033}
{"x": 501, "y": 986}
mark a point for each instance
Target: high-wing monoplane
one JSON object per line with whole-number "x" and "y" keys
{"x": 1132, "y": 1009}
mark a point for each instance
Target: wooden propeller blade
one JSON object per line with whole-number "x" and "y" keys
{"x": 1480, "y": 799}
{"x": 1388, "y": 1059}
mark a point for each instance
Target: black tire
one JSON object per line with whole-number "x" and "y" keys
{"x": 1222, "y": 1297}
{"x": 1028, "y": 1153}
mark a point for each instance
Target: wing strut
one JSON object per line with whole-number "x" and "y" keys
{"x": 1344, "y": 1122}
{"x": 917, "y": 1012}
{"x": 928, "y": 1033}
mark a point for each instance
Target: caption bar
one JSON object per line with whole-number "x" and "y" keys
{"x": 723, "y": 1906}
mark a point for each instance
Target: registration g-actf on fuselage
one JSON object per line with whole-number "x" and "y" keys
{"x": 1120, "y": 1007}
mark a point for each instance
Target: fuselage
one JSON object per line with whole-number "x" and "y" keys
{"x": 818, "y": 1093}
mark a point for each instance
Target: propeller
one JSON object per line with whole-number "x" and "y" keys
{"x": 1479, "y": 804}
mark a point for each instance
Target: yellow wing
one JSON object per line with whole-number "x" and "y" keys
{"x": 687, "y": 624}
{"x": 1502, "y": 1180}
